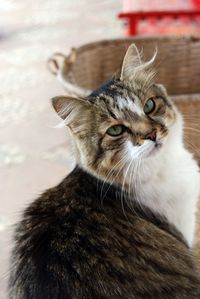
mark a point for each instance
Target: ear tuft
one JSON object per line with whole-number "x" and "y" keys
{"x": 132, "y": 63}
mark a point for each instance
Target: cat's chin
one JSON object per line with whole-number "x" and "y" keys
{"x": 153, "y": 149}
{"x": 156, "y": 149}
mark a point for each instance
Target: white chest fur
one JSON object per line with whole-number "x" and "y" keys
{"x": 170, "y": 185}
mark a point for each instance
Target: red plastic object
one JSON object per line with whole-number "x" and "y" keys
{"x": 134, "y": 18}
{"x": 196, "y": 3}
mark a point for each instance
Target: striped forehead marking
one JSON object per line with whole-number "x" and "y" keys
{"x": 130, "y": 104}
{"x": 113, "y": 93}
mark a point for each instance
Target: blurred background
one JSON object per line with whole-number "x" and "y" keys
{"x": 33, "y": 154}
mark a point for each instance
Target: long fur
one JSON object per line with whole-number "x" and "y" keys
{"x": 121, "y": 223}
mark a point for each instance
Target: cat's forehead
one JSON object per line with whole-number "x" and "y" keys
{"x": 114, "y": 94}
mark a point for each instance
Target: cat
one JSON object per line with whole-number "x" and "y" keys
{"x": 121, "y": 224}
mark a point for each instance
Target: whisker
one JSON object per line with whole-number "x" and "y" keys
{"x": 124, "y": 179}
{"x": 107, "y": 177}
{"x": 194, "y": 147}
{"x": 192, "y": 129}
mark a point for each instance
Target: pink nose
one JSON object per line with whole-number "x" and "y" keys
{"x": 151, "y": 135}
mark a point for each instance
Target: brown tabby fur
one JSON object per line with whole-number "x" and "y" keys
{"x": 73, "y": 244}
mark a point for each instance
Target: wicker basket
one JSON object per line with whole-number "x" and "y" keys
{"x": 177, "y": 65}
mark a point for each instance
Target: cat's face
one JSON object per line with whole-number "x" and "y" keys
{"x": 126, "y": 120}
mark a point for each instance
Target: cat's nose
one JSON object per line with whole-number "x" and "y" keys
{"x": 151, "y": 135}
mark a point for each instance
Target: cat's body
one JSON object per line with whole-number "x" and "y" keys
{"x": 121, "y": 224}
{"x": 72, "y": 244}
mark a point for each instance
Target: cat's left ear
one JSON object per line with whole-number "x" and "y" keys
{"x": 69, "y": 108}
{"x": 132, "y": 63}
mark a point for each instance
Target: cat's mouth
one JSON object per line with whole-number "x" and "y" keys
{"x": 156, "y": 148}
{"x": 151, "y": 149}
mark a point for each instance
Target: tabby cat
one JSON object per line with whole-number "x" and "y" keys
{"x": 121, "y": 224}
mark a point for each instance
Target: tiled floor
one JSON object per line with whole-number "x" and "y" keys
{"x": 33, "y": 154}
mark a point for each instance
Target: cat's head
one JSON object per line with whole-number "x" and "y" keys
{"x": 126, "y": 120}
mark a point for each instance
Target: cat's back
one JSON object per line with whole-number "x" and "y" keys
{"x": 73, "y": 245}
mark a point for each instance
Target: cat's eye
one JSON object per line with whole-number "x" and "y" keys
{"x": 149, "y": 106}
{"x": 115, "y": 130}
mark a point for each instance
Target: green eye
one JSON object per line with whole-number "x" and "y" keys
{"x": 149, "y": 106}
{"x": 115, "y": 130}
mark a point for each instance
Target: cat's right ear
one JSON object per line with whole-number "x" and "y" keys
{"x": 69, "y": 108}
